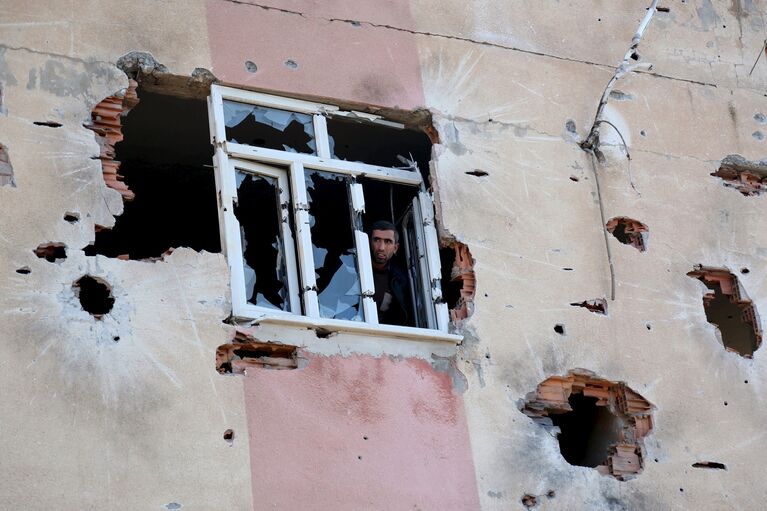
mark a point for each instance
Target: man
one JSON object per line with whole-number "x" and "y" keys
{"x": 391, "y": 282}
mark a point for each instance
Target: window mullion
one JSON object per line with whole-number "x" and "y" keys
{"x": 288, "y": 244}
{"x": 364, "y": 264}
{"x": 321, "y": 138}
{"x": 304, "y": 240}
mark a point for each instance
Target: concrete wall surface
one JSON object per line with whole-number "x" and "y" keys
{"x": 128, "y": 412}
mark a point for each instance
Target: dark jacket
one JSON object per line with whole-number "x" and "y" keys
{"x": 399, "y": 286}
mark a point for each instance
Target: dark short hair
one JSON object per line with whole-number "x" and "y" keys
{"x": 383, "y": 225}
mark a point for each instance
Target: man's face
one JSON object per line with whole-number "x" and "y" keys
{"x": 383, "y": 247}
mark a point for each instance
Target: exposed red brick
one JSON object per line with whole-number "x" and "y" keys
{"x": 749, "y": 178}
{"x": 628, "y": 231}
{"x": 624, "y": 458}
{"x": 463, "y": 271}
{"x": 597, "y": 305}
{"x": 106, "y": 124}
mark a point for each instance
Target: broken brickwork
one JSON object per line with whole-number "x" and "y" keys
{"x": 462, "y": 273}
{"x": 106, "y": 123}
{"x": 730, "y": 310}
{"x": 629, "y": 232}
{"x": 748, "y": 177}
{"x": 245, "y": 352}
{"x": 597, "y": 305}
{"x": 632, "y": 415}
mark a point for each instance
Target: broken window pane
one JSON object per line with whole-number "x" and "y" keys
{"x": 269, "y": 127}
{"x": 335, "y": 254}
{"x": 258, "y": 212}
{"x": 385, "y": 146}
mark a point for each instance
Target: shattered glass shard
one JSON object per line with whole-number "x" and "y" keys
{"x": 269, "y": 127}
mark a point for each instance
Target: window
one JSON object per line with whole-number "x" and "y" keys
{"x": 295, "y": 214}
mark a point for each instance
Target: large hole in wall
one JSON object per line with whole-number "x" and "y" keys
{"x": 729, "y": 309}
{"x": 747, "y": 177}
{"x": 458, "y": 280}
{"x": 162, "y": 164}
{"x": 599, "y": 423}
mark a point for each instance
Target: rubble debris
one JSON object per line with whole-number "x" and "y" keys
{"x": 710, "y": 464}
{"x": 459, "y": 285}
{"x": 730, "y": 310}
{"x": 246, "y": 352}
{"x": 6, "y": 169}
{"x": 748, "y": 177}
{"x": 601, "y": 423}
{"x": 107, "y": 125}
{"x": 51, "y": 252}
{"x": 629, "y": 232}
{"x": 95, "y": 295}
{"x": 597, "y": 305}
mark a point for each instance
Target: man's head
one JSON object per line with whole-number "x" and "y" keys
{"x": 384, "y": 243}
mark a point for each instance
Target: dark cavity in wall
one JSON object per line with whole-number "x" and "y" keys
{"x": 458, "y": 280}
{"x": 246, "y": 352}
{"x": 166, "y": 163}
{"x": 601, "y": 423}
{"x": 95, "y": 295}
{"x": 729, "y": 309}
{"x": 52, "y": 252}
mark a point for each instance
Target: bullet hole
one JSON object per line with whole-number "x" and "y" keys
{"x": 24, "y": 270}
{"x": 663, "y": 9}
{"x": 477, "y": 172}
{"x": 725, "y": 403}
{"x": 728, "y": 308}
{"x": 574, "y": 178}
{"x": 599, "y": 423}
{"x": 599, "y": 19}
{"x": 597, "y": 305}
{"x": 355, "y": 23}
{"x": 529, "y": 501}
{"x": 758, "y": 135}
{"x": 710, "y": 464}
{"x": 173, "y": 505}
{"x": 648, "y": 326}
{"x": 51, "y": 252}
{"x": 359, "y": 457}
{"x": 550, "y": 494}
{"x": 72, "y": 218}
{"x": 635, "y": 56}
{"x": 570, "y": 126}
{"x": 250, "y": 66}
{"x": 744, "y": 270}
{"x": 95, "y": 295}
{"x": 567, "y": 269}
{"x": 560, "y": 329}
{"x": 49, "y": 124}
{"x": 292, "y": 64}
{"x": 760, "y": 118}
{"x": 322, "y": 333}
{"x": 643, "y": 133}
{"x": 656, "y": 460}
{"x": 116, "y": 338}
{"x": 229, "y": 436}
{"x": 629, "y": 232}
{"x": 745, "y": 381}
{"x": 681, "y": 490}
{"x": 364, "y": 438}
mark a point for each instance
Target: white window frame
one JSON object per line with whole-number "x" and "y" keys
{"x": 288, "y": 169}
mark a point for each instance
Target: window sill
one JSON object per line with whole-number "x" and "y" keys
{"x": 352, "y": 327}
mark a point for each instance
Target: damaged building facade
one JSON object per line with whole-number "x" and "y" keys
{"x": 189, "y": 319}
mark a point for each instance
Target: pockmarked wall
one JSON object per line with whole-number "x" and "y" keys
{"x": 128, "y": 411}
